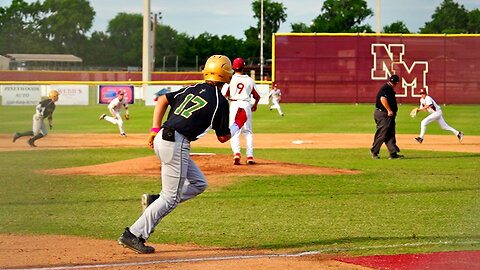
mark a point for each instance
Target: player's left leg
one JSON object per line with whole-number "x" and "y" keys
{"x": 21, "y": 134}
{"x": 175, "y": 160}
{"x": 279, "y": 109}
{"x": 247, "y": 132}
{"x": 445, "y": 126}
{"x": 119, "y": 121}
{"x": 40, "y": 132}
{"x": 196, "y": 182}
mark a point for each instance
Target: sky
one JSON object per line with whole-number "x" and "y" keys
{"x": 229, "y": 17}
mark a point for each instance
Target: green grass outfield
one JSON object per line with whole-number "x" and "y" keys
{"x": 428, "y": 202}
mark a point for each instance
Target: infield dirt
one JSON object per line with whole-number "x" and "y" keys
{"x": 29, "y": 251}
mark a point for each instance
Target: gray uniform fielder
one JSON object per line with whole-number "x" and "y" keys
{"x": 43, "y": 110}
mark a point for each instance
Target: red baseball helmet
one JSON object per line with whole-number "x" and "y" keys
{"x": 238, "y": 64}
{"x": 120, "y": 91}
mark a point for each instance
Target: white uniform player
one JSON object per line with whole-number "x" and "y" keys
{"x": 428, "y": 104}
{"x": 276, "y": 96}
{"x": 239, "y": 91}
{"x": 115, "y": 108}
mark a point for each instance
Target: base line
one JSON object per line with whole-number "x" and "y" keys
{"x": 300, "y": 254}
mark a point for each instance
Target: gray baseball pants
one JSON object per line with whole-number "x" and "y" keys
{"x": 181, "y": 180}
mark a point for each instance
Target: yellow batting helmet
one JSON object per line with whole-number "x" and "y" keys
{"x": 53, "y": 95}
{"x": 218, "y": 68}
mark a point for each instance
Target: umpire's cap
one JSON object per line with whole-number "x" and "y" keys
{"x": 394, "y": 78}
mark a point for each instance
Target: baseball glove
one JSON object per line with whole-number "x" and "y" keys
{"x": 413, "y": 112}
{"x": 127, "y": 117}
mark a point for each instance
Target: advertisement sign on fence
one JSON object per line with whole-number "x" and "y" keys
{"x": 21, "y": 95}
{"x": 153, "y": 92}
{"x": 71, "y": 94}
{"x": 107, "y": 93}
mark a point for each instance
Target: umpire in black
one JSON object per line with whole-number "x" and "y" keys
{"x": 385, "y": 112}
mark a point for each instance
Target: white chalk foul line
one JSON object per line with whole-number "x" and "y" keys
{"x": 241, "y": 257}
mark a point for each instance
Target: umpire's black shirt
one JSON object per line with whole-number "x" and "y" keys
{"x": 387, "y": 92}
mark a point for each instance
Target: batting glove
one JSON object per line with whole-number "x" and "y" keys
{"x": 153, "y": 134}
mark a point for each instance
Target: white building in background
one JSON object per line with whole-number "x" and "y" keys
{"x": 14, "y": 61}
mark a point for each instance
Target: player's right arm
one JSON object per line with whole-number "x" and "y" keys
{"x": 158, "y": 113}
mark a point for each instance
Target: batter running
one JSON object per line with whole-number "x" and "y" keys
{"x": 43, "y": 110}
{"x": 193, "y": 111}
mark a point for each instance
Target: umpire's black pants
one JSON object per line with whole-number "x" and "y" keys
{"x": 385, "y": 133}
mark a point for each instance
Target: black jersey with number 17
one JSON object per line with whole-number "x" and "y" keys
{"x": 197, "y": 108}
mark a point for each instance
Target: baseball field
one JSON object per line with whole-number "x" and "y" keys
{"x": 314, "y": 195}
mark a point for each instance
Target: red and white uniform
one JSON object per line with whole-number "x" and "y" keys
{"x": 435, "y": 115}
{"x": 275, "y": 93}
{"x": 239, "y": 91}
{"x": 115, "y": 108}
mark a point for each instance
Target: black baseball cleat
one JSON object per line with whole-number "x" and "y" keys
{"x": 102, "y": 116}
{"x": 460, "y": 136}
{"x": 15, "y": 136}
{"x": 148, "y": 199}
{"x": 418, "y": 139}
{"x": 137, "y": 244}
{"x": 31, "y": 142}
{"x": 123, "y": 135}
{"x": 374, "y": 156}
{"x": 395, "y": 156}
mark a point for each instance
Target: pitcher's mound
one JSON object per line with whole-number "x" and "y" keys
{"x": 218, "y": 169}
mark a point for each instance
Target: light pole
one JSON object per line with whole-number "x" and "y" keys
{"x": 147, "y": 44}
{"x": 378, "y": 16}
{"x": 261, "y": 40}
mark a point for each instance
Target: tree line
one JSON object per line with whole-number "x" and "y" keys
{"x": 61, "y": 27}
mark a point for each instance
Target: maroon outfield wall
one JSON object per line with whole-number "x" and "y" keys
{"x": 92, "y": 76}
{"x": 350, "y": 68}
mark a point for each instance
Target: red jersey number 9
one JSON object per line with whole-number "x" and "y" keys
{"x": 240, "y": 87}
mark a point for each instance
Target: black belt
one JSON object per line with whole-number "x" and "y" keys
{"x": 380, "y": 110}
{"x": 168, "y": 134}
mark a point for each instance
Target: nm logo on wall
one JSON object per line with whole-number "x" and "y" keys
{"x": 388, "y": 60}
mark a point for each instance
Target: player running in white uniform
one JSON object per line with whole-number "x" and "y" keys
{"x": 193, "y": 111}
{"x": 43, "y": 110}
{"x": 428, "y": 104}
{"x": 276, "y": 96}
{"x": 115, "y": 108}
{"x": 239, "y": 90}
